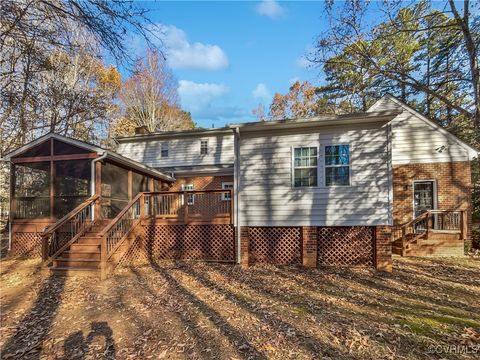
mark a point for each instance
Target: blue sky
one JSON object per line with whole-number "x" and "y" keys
{"x": 230, "y": 56}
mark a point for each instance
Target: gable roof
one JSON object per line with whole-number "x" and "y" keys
{"x": 390, "y": 99}
{"x": 322, "y": 120}
{"x": 93, "y": 148}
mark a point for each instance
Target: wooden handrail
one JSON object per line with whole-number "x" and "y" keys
{"x": 189, "y": 192}
{"x": 69, "y": 216}
{"x": 120, "y": 214}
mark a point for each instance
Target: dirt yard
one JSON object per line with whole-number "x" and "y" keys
{"x": 426, "y": 309}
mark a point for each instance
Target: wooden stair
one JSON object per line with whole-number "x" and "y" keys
{"x": 82, "y": 257}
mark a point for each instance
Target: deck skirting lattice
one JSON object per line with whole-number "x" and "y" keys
{"x": 352, "y": 246}
{"x": 275, "y": 245}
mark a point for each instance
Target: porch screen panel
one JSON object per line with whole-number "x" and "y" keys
{"x": 72, "y": 185}
{"x": 31, "y": 191}
{"x": 139, "y": 183}
{"x": 114, "y": 189}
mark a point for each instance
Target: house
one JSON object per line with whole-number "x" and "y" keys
{"x": 330, "y": 190}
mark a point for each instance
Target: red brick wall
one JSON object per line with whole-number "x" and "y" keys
{"x": 202, "y": 182}
{"x": 453, "y": 187}
{"x": 383, "y": 248}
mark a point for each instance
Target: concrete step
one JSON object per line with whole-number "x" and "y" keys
{"x": 75, "y": 255}
{"x": 76, "y": 263}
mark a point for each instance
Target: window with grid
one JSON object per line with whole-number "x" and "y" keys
{"x": 190, "y": 197}
{"x": 225, "y": 186}
{"x": 305, "y": 166}
{"x": 164, "y": 150}
{"x": 337, "y": 165}
{"x": 203, "y": 147}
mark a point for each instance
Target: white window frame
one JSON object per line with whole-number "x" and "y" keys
{"x": 226, "y": 196}
{"x": 201, "y": 147}
{"x": 164, "y": 146}
{"x": 325, "y": 166}
{"x": 190, "y": 197}
{"x": 303, "y": 167}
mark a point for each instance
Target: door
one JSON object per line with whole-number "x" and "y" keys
{"x": 424, "y": 199}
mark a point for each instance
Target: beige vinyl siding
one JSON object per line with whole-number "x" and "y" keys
{"x": 184, "y": 151}
{"x": 417, "y": 141}
{"x": 269, "y": 199}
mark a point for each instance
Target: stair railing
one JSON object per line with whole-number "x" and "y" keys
{"x": 436, "y": 220}
{"x": 58, "y": 237}
{"x": 118, "y": 229}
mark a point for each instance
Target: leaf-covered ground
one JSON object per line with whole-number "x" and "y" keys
{"x": 427, "y": 308}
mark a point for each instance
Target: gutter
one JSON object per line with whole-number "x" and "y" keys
{"x": 92, "y": 174}
{"x": 236, "y": 185}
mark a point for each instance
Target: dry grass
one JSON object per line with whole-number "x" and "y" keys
{"x": 198, "y": 310}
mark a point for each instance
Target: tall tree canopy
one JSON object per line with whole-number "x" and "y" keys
{"x": 52, "y": 77}
{"x": 150, "y": 98}
{"x": 427, "y": 54}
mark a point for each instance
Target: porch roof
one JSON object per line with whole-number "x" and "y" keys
{"x": 92, "y": 148}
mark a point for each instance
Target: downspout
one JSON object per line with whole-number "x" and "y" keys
{"x": 236, "y": 177}
{"x": 92, "y": 174}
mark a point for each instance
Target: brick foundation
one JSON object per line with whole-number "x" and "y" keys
{"x": 244, "y": 246}
{"x": 309, "y": 246}
{"x": 383, "y": 248}
{"x": 453, "y": 181}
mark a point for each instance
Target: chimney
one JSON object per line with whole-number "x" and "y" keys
{"x": 141, "y": 130}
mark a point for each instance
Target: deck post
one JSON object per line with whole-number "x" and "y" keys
{"x": 103, "y": 258}
{"x": 185, "y": 207}
{"x": 464, "y": 224}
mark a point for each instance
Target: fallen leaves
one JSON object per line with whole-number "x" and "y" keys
{"x": 199, "y": 310}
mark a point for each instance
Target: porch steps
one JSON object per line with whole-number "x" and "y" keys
{"x": 82, "y": 257}
{"x": 439, "y": 243}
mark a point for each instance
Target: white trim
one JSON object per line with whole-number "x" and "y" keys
{"x": 292, "y": 175}
{"x": 46, "y": 137}
{"x": 470, "y": 150}
{"x": 435, "y": 194}
{"x": 325, "y": 165}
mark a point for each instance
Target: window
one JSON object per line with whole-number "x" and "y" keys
{"x": 190, "y": 197}
{"x": 226, "y": 195}
{"x": 164, "y": 150}
{"x": 337, "y": 165}
{"x": 305, "y": 166}
{"x": 203, "y": 147}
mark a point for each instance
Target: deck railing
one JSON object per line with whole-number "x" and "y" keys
{"x": 57, "y": 237}
{"x": 31, "y": 207}
{"x": 190, "y": 206}
{"x": 432, "y": 220}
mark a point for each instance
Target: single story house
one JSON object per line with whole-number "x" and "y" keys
{"x": 331, "y": 190}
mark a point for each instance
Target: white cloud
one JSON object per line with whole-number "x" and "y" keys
{"x": 261, "y": 92}
{"x": 303, "y": 63}
{"x": 182, "y": 54}
{"x": 195, "y": 96}
{"x": 271, "y": 8}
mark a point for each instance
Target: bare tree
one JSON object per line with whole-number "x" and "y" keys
{"x": 150, "y": 97}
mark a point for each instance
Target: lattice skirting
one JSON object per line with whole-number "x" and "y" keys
{"x": 26, "y": 244}
{"x": 182, "y": 242}
{"x": 275, "y": 245}
{"x": 345, "y": 246}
